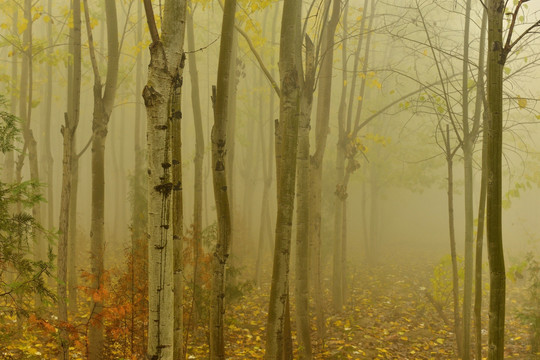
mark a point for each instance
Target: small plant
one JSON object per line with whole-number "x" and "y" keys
{"x": 530, "y": 313}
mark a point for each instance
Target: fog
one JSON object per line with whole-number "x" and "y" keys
{"x": 365, "y": 252}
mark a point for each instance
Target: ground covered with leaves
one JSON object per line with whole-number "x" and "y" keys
{"x": 391, "y": 313}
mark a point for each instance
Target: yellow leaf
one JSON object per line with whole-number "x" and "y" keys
{"x": 22, "y": 26}
{"x": 47, "y": 18}
{"x": 440, "y": 341}
{"x": 404, "y": 338}
{"x": 344, "y": 82}
{"x": 522, "y": 103}
{"x": 425, "y": 52}
{"x": 359, "y": 98}
{"x": 4, "y": 26}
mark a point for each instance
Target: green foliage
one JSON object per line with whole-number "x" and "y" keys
{"x": 530, "y": 311}
{"x": 20, "y": 277}
{"x": 441, "y": 281}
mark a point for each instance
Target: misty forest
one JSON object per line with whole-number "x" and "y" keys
{"x": 269, "y": 179}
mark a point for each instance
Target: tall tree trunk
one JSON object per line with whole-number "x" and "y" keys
{"x": 46, "y": 157}
{"x": 231, "y": 153}
{"x": 199, "y": 158}
{"x": 162, "y": 100}
{"x": 9, "y": 161}
{"x": 221, "y": 192}
{"x": 468, "y": 148}
{"x": 496, "y": 60}
{"x": 455, "y": 278}
{"x": 316, "y": 160}
{"x": 25, "y": 112}
{"x": 289, "y": 67}
{"x": 177, "y": 213}
{"x": 103, "y": 104}
{"x": 72, "y": 231}
{"x": 480, "y": 100}
{"x": 303, "y": 328}
{"x": 68, "y": 132}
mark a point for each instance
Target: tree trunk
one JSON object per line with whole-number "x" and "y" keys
{"x": 303, "y": 328}
{"x": 199, "y": 157}
{"x": 177, "y": 213}
{"x": 496, "y": 60}
{"x": 68, "y": 132}
{"x": 480, "y": 100}
{"x": 316, "y": 160}
{"x": 162, "y": 99}
{"x": 103, "y": 104}
{"x": 221, "y": 193}
{"x": 25, "y": 112}
{"x": 9, "y": 161}
{"x": 289, "y": 67}
{"x": 455, "y": 278}
{"x": 468, "y": 148}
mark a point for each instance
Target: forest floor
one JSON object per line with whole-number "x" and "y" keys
{"x": 390, "y": 314}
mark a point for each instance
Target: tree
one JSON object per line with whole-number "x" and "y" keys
{"x": 498, "y": 52}
{"x": 68, "y": 133}
{"x": 162, "y": 95}
{"x": 219, "y": 174}
{"x": 104, "y": 96}
{"x": 289, "y": 68}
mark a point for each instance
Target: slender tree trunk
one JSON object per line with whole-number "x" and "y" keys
{"x": 289, "y": 66}
{"x": 480, "y": 100}
{"x": 68, "y": 132}
{"x": 468, "y": 148}
{"x": 303, "y": 328}
{"x": 46, "y": 157}
{"x": 316, "y": 160}
{"x": 72, "y": 232}
{"x": 199, "y": 157}
{"x": 455, "y": 279}
{"x": 221, "y": 192}
{"x": 9, "y": 160}
{"x": 496, "y": 60}
{"x": 231, "y": 153}
{"x": 103, "y": 104}
{"x": 25, "y": 111}
{"x": 177, "y": 213}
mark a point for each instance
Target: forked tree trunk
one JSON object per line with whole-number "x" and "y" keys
{"x": 316, "y": 160}
{"x": 68, "y": 132}
{"x": 103, "y": 104}
{"x": 289, "y": 66}
{"x": 496, "y": 60}
{"x": 162, "y": 100}
{"x": 221, "y": 192}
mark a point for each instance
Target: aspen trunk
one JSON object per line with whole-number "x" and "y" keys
{"x": 221, "y": 192}
{"x": 303, "y": 328}
{"x": 162, "y": 99}
{"x": 289, "y": 67}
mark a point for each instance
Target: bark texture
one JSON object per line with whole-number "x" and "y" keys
{"x": 221, "y": 192}
{"x": 496, "y": 61}
{"x": 289, "y": 68}
{"x": 162, "y": 100}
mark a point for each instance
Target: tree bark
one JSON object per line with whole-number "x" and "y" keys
{"x": 303, "y": 328}
{"x": 199, "y": 157}
{"x": 468, "y": 147}
{"x": 496, "y": 61}
{"x": 451, "y": 226}
{"x": 68, "y": 132}
{"x": 221, "y": 192}
{"x": 162, "y": 100}
{"x": 103, "y": 104}
{"x": 480, "y": 100}
{"x": 289, "y": 67}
